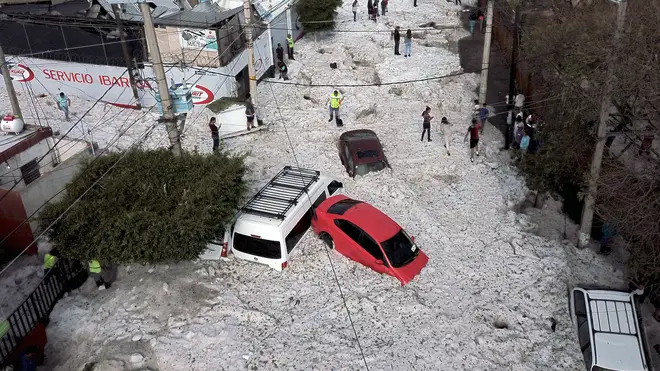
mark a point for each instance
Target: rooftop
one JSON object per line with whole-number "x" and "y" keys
{"x": 11, "y": 145}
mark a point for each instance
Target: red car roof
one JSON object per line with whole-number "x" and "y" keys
{"x": 371, "y": 220}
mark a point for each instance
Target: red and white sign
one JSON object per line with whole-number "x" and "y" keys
{"x": 110, "y": 84}
{"x": 20, "y": 72}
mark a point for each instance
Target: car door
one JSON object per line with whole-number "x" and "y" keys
{"x": 374, "y": 251}
{"x": 349, "y": 245}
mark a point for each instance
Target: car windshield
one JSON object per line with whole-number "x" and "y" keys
{"x": 400, "y": 250}
{"x": 369, "y": 153}
{"x": 362, "y": 169}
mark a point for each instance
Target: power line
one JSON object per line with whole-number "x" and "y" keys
{"x": 334, "y": 272}
{"x": 74, "y": 202}
{"x": 55, "y": 145}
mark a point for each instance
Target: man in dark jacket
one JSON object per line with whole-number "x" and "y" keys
{"x": 214, "y": 134}
{"x": 397, "y": 37}
{"x": 280, "y": 52}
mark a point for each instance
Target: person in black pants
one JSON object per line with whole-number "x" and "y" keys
{"x": 426, "y": 126}
{"x": 397, "y": 37}
{"x": 458, "y": 2}
{"x": 280, "y": 52}
{"x": 214, "y": 134}
{"x": 415, "y": 3}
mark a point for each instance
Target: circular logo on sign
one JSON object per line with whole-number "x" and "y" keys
{"x": 202, "y": 95}
{"x": 258, "y": 64}
{"x": 20, "y": 72}
{"x": 298, "y": 23}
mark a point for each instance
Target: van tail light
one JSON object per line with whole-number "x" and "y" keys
{"x": 412, "y": 238}
{"x": 284, "y": 264}
{"x": 225, "y": 246}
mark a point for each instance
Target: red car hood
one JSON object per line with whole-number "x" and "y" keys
{"x": 406, "y": 273}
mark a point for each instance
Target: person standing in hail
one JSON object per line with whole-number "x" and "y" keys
{"x": 426, "y": 124}
{"x": 289, "y": 46}
{"x": 355, "y": 10}
{"x": 335, "y": 103}
{"x": 407, "y": 44}
{"x": 215, "y": 135}
{"x": 397, "y": 39}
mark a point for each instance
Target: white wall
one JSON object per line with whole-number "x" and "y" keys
{"x": 42, "y": 189}
{"x": 110, "y": 84}
{"x": 33, "y": 153}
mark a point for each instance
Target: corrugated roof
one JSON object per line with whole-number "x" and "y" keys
{"x": 67, "y": 8}
{"x": 269, "y": 9}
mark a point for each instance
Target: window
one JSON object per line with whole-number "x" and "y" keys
{"x": 584, "y": 332}
{"x": 319, "y": 200}
{"x": 334, "y": 186}
{"x": 372, "y": 247}
{"x": 30, "y": 172}
{"x": 256, "y": 246}
{"x": 400, "y": 249}
{"x": 351, "y": 231}
{"x": 298, "y": 231}
{"x": 342, "y": 206}
{"x": 363, "y": 169}
{"x": 370, "y": 153}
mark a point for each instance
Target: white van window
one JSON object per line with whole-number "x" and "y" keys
{"x": 334, "y": 186}
{"x": 584, "y": 332}
{"x": 298, "y": 231}
{"x": 319, "y": 200}
{"x": 257, "y": 246}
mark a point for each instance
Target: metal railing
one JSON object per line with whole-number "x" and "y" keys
{"x": 65, "y": 276}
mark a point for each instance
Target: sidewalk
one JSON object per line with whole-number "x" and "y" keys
{"x": 470, "y": 50}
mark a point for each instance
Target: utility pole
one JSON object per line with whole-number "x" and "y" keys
{"x": 247, "y": 12}
{"x": 486, "y": 54}
{"x": 166, "y": 101}
{"x": 15, "y": 107}
{"x": 512, "y": 76}
{"x": 597, "y": 160}
{"x": 127, "y": 56}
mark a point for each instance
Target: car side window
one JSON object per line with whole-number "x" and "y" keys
{"x": 319, "y": 200}
{"x": 334, "y": 186}
{"x": 371, "y": 246}
{"x": 351, "y": 231}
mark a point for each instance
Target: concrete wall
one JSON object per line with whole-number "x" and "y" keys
{"x": 68, "y": 148}
{"x": 33, "y": 153}
{"x": 41, "y": 190}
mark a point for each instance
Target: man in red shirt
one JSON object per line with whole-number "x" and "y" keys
{"x": 473, "y": 132}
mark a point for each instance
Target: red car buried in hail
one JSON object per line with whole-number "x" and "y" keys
{"x": 365, "y": 234}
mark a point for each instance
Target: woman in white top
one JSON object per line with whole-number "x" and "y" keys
{"x": 355, "y": 9}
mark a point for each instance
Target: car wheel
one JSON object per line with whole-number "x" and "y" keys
{"x": 328, "y": 240}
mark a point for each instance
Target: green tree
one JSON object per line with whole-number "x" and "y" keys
{"x": 152, "y": 207}
{"x": 317, "y": 15}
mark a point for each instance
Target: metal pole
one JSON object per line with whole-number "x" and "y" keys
{"x": 486, "y": 55}
{"x": 166, "y": 101}
{"x": 15, "y": 107}
{"x": 127, "y": 55}
{"x": 597, "y": 160}
{"x": 512, "y": 76}
{"x": 247, "y": 11}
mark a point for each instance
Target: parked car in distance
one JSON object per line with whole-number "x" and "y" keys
{"x": 360, "y": 152}
{"x": 608, "y": 329}
{"x": 365, "y": 234}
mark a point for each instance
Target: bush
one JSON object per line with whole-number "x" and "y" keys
{"x": 312, "y": 11}
{"x": 152, "y": 207}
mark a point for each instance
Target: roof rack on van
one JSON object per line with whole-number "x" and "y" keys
{"x": 282, "y": 192}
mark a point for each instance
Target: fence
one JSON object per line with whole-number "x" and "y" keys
{"x": 65, "y": 276}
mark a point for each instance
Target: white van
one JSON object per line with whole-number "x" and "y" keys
{"x": 275, "y": 219}
{"x": 608, "y": 330}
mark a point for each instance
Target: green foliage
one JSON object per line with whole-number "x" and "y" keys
{"x": 314, "y": 14}
{"x": 152, "y": 207}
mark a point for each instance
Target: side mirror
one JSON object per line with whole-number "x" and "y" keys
{"x": 412, "y": 238}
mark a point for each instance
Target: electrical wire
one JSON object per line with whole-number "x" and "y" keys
{"x": 65, "y": 134}
{"x": 334, "y": 272}
{"x": 61, "y": 191}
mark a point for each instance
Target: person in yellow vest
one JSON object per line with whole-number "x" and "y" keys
{"x": 335, "y": 103}
{"x": 289, "y": 46}
{"x": 49, "y": 261}
{"x": 95, "y": 272}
